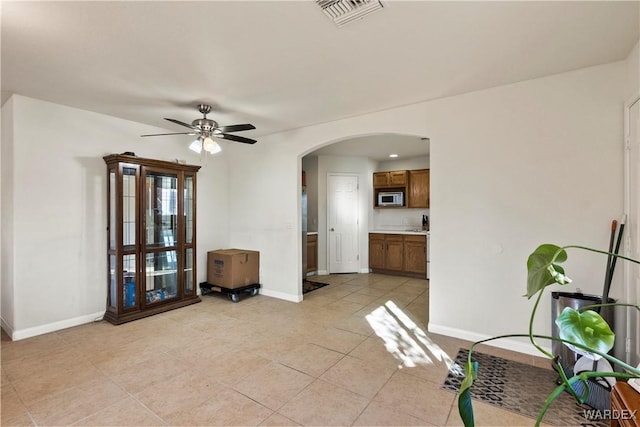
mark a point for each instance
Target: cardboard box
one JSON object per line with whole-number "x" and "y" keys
{"x": 233, "y": 268}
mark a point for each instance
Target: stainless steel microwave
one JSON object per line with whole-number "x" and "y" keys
{"x": 391, "y": 198}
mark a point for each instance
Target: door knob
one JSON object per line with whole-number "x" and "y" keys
{"x": 332, "y": 229}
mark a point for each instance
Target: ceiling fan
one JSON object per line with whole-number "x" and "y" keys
{"x": 207, "y": 129}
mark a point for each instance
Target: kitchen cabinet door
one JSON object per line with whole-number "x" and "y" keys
{"x": 390, "y": 179}
{"x": 312, "y": 253}
{"x": 415, "y": 254}
{"x": 376, "y": 251}
{"x": 418, "y": 194}
{"x": 394, "y": 257}
{"x": 380, "y": 179}
{"x": 397, "y": 178}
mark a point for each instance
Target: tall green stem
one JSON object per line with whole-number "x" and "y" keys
{"x": 533, "y": 313}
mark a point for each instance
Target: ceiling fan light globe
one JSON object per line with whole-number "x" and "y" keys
{"x": 210, "y": 145}
{"x": 196, "y": 146}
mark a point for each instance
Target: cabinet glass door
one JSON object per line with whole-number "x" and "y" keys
{"x": 161, "y": 209}
{"x": 189, "y": 234}
{"x": 129, "y": 238}
{"x": 161, "y": 276}
{"x": 161, "y": 239}
{"x": 111, "y": 236}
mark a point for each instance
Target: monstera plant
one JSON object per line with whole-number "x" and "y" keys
{"x": 582, "y": 329}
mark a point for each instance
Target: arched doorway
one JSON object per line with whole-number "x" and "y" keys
{"x": 359, "y": 156}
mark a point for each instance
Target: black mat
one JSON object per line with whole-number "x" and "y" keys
{"x": 309, "y": 286}
{"x": 519, "y": 388}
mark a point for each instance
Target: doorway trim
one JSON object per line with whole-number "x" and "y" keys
{"x": 631, "y": 292}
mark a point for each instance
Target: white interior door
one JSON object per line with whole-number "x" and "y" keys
{"x": 632, "y": 271}
{"x": 342, "y": 223}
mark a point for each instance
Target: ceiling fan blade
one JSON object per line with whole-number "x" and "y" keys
{"x": 178, "y": 122}
{"x": 175, "y": 133}
{"x": 236, "y": 138}
{"x": 236, "y": 128}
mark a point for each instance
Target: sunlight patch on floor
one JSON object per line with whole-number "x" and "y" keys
{"x": 404, "y": 339}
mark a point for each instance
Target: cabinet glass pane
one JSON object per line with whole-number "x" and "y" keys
{"x": 188, "y": 208}
{"x": 128, "y": 206}
{"x": 112, "y": 209}
{"x": 161, "y": 209}
{"x": 129, "y": 281}
{"x": 162, "y": 276}
{"x": 113, "y": 290}
{"x": 188, "y": 271}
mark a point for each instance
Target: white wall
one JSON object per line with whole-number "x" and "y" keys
{"x": 633, "y": 71}
{"x": 513, "y": 167}
{"x": 631, "y": 287}
{"x": 58, "y": 212}
{"x": 517, "y": 166}
{"x": 419, "y": 162}
{"x": 6, "y": 217}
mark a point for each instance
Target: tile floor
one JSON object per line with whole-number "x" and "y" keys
{"x": 352, "y": 353}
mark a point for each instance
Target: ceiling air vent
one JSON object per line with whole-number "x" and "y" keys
{"x": 344, "y": 11}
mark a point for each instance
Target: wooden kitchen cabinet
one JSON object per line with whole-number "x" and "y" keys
{"x": 398, "y": 254}
{"x": 376, "y": 251}
{"x": 386, "y": 252}
{"x": 389, "y": 179}
{"x": 418, "y": 190}
{"x": 415, "y": 254}
{"x": 312, "y": 252}
{"x": 413, "y": 183}
{"x": 394, "y": 257}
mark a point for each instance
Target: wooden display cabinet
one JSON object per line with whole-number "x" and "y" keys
{"x": 151, "y": 237}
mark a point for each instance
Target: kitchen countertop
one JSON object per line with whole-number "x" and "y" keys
{"x": 311, "y": 233}
{"x": 410, "y": 232}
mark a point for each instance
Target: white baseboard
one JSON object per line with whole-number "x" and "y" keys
{"x": 6, "y": 327}
{"x": 322, "y": 272}
{"x": 365, "y": 270}
{"x": 21, "y": 334}
{"x": 506, "y": 343}
{"x": 280, "y": 295}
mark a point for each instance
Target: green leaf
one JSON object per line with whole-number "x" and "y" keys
{"x": 543, "y": 270}
{"x": 587, "y": 328}
{"x": 465, "y": 408}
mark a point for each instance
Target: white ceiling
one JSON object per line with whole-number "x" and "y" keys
{"x": 283, "y": 65}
